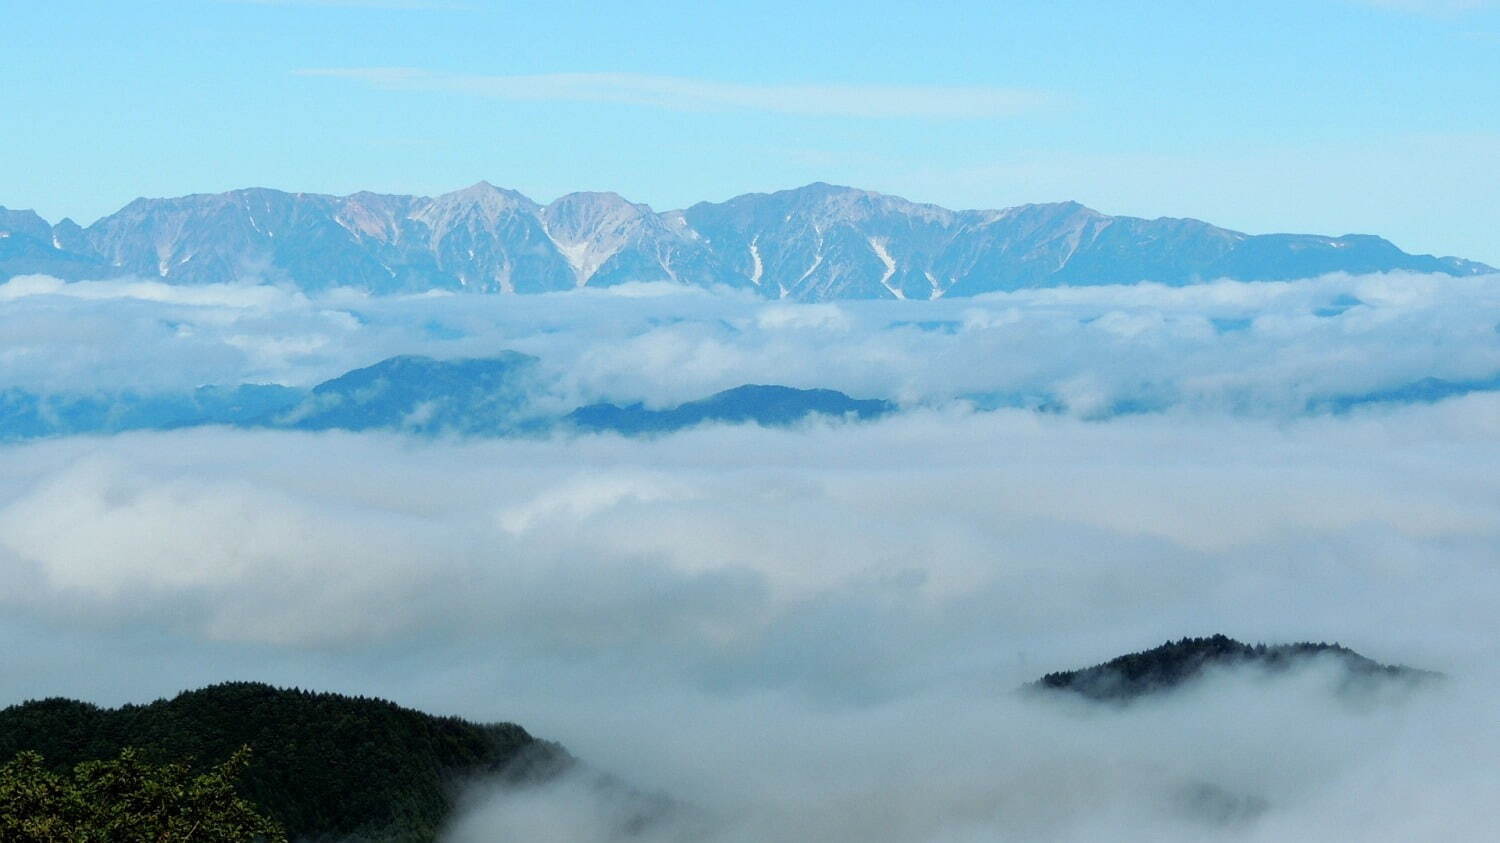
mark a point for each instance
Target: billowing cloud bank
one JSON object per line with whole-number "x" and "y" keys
{"x": 813, "y": 633}
{"x": 1266, "y": 348}
{"x": 816, "y": 634}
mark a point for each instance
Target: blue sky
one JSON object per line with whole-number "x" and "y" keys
{"x": 1315, "y": 115}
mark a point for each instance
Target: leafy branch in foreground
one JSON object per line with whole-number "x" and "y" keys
{"x": 128, "y": 800}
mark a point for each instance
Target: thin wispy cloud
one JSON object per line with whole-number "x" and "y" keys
{"x": 1252, "y": 348}
{"x": 679, "y": 93}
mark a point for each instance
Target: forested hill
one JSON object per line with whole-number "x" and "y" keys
{"x": 1177, "y": 662}
{"x": 323, "y": 765}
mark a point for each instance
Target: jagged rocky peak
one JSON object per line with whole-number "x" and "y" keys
{"x": 818, "y": 203}
{"x": 848, "y": 204}
{"x": 376, "y": 216}
{"x": 481, "y": 201}
{"x": 29, "y": 245}
{"x": 24, "y": 223}
{"x": 485, "y": 239}
{"x": 1043, "y": 214}
{"x": 590, "y": 228}
{"x": 68, "y": 236}
{"x": 578, "y": 216}
{"x": 813, "y": 243}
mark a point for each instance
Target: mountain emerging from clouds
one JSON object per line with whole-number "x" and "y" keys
{"x": 815, "y": 243}
{"x": 507, "y": 395}
{"x": 761, "y": 404}
{"x": 1177, "y": 663}
{"x": 494, "y": 396}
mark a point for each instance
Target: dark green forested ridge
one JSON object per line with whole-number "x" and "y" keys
{"x": 324, "y": 765}
{"x": 1177, "y": 662}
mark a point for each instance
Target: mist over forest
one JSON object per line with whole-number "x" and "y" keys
{"x": 458, "y": 421}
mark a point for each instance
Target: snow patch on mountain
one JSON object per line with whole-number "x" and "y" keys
{"x": 815, "y": 243}
{"x": 758, "y": 268}
{"x": 890, "y": 267}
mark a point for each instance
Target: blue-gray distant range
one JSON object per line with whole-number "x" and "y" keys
{"x": 494, "y": 396}
{"x": 508, "y": 396}
{"x": 815, "y": 243}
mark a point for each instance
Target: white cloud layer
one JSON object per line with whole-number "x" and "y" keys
{"x": 1259, "y": 349}
{"x": 815, "y": 633}
{"x": 810, "y": 633}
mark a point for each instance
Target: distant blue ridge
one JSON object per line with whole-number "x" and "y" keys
{"x": 498, "y": 396}
{"x": 761, "y": 404}
{"x": 1424, "y": 391}
{"x": 492, "y": 396}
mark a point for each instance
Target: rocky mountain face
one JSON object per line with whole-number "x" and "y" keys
{"x": 815, "y": 243}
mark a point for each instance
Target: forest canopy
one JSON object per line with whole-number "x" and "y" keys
{"x": 318, "y": 764}
{"x": 127, "y": 799}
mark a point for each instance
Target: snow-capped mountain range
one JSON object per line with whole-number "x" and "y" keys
{"x": 814, "y": 243}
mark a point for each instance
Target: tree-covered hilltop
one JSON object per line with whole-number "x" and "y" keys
{"x": 1177, "y": 662}
{"x": 322, "y": 765}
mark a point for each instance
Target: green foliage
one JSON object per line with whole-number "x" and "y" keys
{"x": 326, "y": 765}
{"x": 128, "y": 800}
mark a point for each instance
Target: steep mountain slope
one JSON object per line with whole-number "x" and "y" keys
{"x": 28, "y": 245}
{"x": 814, "y": 243}
{"x": 608, "y": 240}
{"x": 824, "y": 242}
{"x": 420, "y": 395}
{"x": 481, "y": 238}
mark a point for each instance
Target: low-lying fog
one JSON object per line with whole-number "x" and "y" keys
{"x": 1258, "y": 349}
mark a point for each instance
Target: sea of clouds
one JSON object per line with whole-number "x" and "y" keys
{"x": 1247, "y": 348}
{"x": 813, "y": 633}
